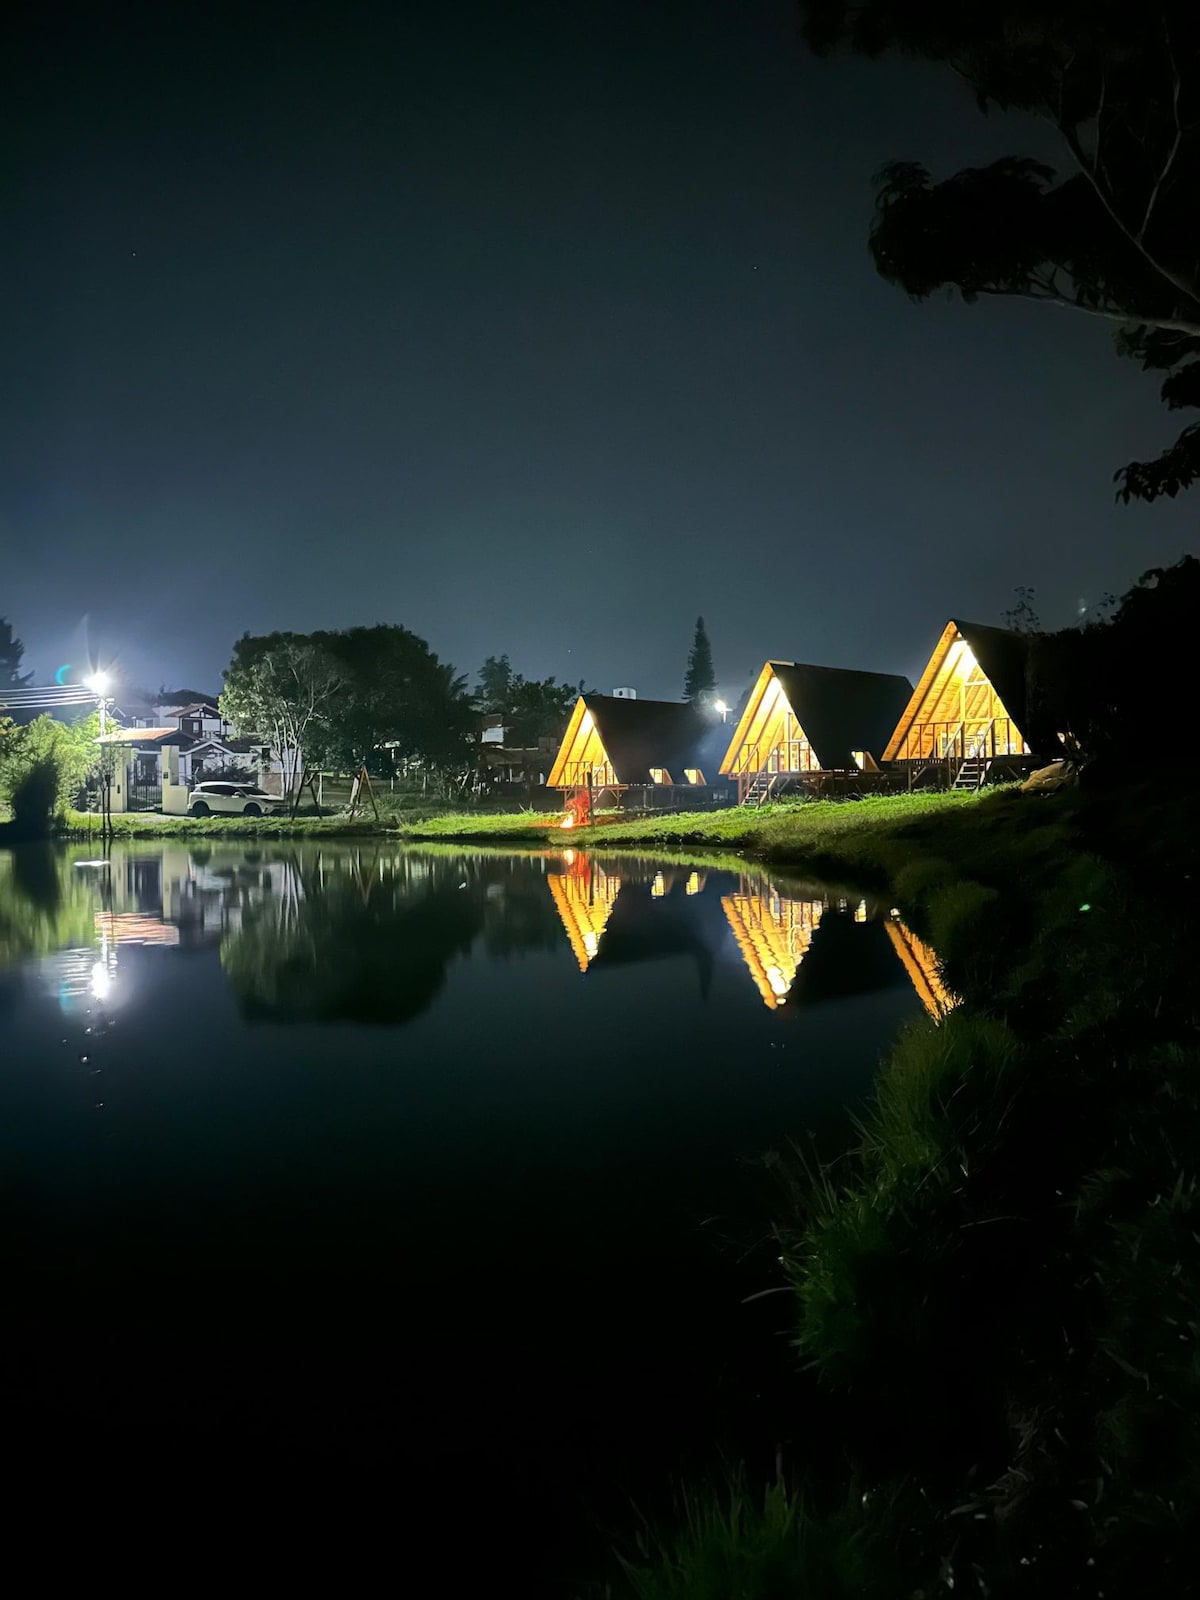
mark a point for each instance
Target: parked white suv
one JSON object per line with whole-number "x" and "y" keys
{"x": 232, "y": 799}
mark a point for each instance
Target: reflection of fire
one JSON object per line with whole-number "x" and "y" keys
{"x": 584, "y": 895}
{"x": 567, "y": 822}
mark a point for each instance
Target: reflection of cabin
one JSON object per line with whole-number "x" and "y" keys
{"x": 970, "y": 707}
{"x": 802, "y": 722}
{"x": 613, "y": 744}
{"x": 583, "y": 894}
{"x": 773, "y": 935}
{"x": 923, "y": 968}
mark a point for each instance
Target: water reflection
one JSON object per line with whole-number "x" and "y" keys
{"x": 921, "y": 964}
{"x": 584, "y": 894}
{"x": 773, "y": 935}
{"x": 776, "y": 928}
{"x": 352, "y": 940}
{"x": 369, "y": 934}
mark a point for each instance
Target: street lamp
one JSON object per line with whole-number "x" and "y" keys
{"x": 721, "y": 709}
{"x": 98, "y": 684}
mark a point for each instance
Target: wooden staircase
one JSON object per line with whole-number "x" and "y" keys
{"x": 759, "y": 788}
{"x": 973, "y": 770}
{"x": 972, "y": 773}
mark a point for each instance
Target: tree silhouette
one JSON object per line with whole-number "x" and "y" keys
{"x": 1118, "y": 236}
{"x": 11, "y": 652}
{"x": 700, "y": 680}
{"x": 533, "y": 708}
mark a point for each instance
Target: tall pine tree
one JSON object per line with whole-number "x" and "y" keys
{"x": 700, "y": 680}
{"x": 11, "y": 651}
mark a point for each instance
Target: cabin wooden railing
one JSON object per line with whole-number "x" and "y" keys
{"x": 775, "y": 759}
{"x": 587, "y": 775}
{"x": 984, "y": 738}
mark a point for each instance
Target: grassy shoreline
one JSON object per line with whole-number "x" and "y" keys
{"x": 134, "y": 825}
{"x": 999, "y": 1290}
{"x": 805, "y": 833}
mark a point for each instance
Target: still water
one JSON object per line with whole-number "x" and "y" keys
{"x": 439, "y": 1167}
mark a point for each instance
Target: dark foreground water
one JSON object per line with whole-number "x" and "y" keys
{"x": 404, "y": 1200}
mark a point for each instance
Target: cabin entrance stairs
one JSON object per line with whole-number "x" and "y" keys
{"x": 759, "y": 788}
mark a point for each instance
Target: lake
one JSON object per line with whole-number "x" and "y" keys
{"x": 430, "y": 1180}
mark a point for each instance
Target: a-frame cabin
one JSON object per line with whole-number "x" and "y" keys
{"x": 970, "y": 708}
{"x": 612, "y": 744}
{"x": 802, "y": 723}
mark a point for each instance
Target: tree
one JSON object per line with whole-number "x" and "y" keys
{"x": 1022, "y": 616}
{"x": 338, "y": 698}
{"x": 1118, "y": 236}
{"x": 396, "y": 694}
{"x": 495, "y": 685}
{"x": 285, "y": 687}
{"x": 1112, "y": 686}
{"x": 11, "y": 652}
{"x": 44, "y": 765}
{"x": 532, "y": 708}
{"x": 700, "y": 680}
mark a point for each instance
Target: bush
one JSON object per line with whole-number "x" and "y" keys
{"x": 33, "y": 798}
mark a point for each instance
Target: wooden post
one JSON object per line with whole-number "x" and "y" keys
{"x": 362, "y": 779}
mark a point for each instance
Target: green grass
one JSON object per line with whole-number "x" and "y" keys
{"x": 793, "y": 829}
{"x": 730, "y": 1543}
{"x": 135, "y": 825}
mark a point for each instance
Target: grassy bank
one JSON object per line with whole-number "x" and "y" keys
{"x": 1000, "y": 1291}
{"x": 797, "y": 828}
{"x": 137, "y": 825}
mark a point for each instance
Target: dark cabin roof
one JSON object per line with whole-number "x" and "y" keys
{"x": 842, "y": 710}
{"x": 640, "y": 734}
{"x": 1004, "y": 657}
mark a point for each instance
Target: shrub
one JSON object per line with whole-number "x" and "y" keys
{"x": 33, "y": 797}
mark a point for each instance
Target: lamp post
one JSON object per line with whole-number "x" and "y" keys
{"x": 98, "y": 684}
{"x": 721, "y": 708}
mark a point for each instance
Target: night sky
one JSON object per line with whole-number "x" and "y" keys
{"x": 538, "y": 328}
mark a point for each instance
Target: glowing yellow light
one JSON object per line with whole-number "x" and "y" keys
{"x": 773, "y": 936}
{"x": 567, "y": 822}
{"x": 860, "y": 911}
{"x": 694, "y": 884}
{"x": 584, "y": 895}
{"x": 659, "y": 887}
{"x": 922, "y": 966}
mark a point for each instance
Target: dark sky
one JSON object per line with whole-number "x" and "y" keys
{"x": 534, "y": 327}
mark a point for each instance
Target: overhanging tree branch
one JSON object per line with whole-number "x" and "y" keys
{"x": 1178, "y": 140}
{"x": 1071, "y": 139}
{"x": 1049, "y": 298}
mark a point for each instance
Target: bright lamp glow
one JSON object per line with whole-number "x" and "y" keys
{"x": 98, "y": 683}
{"x": 720, "y": 707}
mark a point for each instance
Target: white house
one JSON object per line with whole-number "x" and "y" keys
{"x": 166, "y": 749}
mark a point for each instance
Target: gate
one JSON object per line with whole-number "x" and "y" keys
{"x": 145, "y": 785}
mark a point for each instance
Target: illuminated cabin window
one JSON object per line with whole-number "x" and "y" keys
{"x": 659, "y": 775}
{"x": 693, "y": 774}
{"x": 695, "y": 883}
{"x": 659, "y": 887}
{"x": 860, "y": 759}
